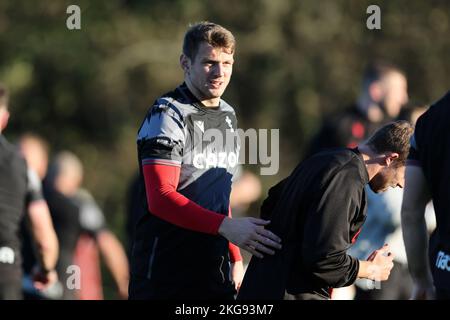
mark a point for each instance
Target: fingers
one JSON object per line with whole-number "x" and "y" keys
{"x": 372, "y": 255}
{"x": 258, "y": 240}
{"x": 40, "y": 285}
{"x": 267, "y": 241}
{"x": 385, "y": 248}
{"x": 252, "y": 251}
{"x": 256, "y": 248}
{"x": 260, "y": 222}
{"x": 269, "y": 235}
{"x": 260, "y": 247}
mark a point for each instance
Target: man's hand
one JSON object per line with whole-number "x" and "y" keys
{"x": 250, "y": 235}
{"x": 237, "y": 274}
{"x": 378, "y": 265}
{"x": 43, "y": 279}
{"x": 382, "y": 264}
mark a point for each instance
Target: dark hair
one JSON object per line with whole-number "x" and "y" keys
{"x": 4, "y": 96}
{"x": 208, "y": 32}
{"x": 393, "y": 137}
{"x": 377, "y": 70}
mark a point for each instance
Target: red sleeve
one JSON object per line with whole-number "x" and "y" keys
{"x": 161, "y": 182}
{"x": 235, "y": 253}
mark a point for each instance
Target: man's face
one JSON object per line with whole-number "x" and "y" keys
{"x": 395, "y": 93}
{"x": 4, "y": 116}
{"x": 35, "y": 155}
{"x": 388, "y": 177}
{"x": 210, "y": 71}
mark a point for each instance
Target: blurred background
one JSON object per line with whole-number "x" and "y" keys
{"x": 297, "y": 62}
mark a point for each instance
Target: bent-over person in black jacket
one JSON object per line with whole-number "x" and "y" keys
{"x": 319, "y": 210}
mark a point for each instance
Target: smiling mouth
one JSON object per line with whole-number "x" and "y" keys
{"x": 216, "y": 84}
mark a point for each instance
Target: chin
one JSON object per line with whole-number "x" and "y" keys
{"x": 216, "y": 93}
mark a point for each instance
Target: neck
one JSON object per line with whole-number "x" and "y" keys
{"x": 371, "y": 160}
{"x": 214, "y": 102}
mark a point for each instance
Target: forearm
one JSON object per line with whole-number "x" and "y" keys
{"x": 415, "y": 237}
{"x": 44, "y": 236}
{"x": 115, "y": 258}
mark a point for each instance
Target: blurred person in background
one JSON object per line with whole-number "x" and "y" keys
{"x": 245, "y": 190}
{"x": 88, "y": 247}
{"x": 20, "y": 198}
{"x": 75, "y": 213}
{"x": 427, "y": 178}
{"x": 35, "y": 151}
{"x": 382, "y": 96}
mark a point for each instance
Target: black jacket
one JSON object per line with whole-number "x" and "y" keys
{"x": 317, "y": 211}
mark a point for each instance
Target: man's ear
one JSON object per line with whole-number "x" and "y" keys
{"x": 390, "y": 157}
{"x": 185, "y": 63}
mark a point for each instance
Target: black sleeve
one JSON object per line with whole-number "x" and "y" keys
{"x": 161, "y": 136}
{"x": 327, "y": 231}
{"x": 34, "y": 187}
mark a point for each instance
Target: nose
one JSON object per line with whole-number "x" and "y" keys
{"x": 218, "y": 70}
